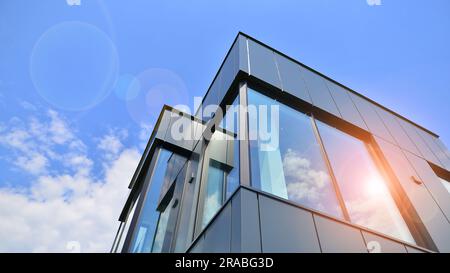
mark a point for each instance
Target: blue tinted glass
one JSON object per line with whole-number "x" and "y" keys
{"x": 286, "y": 160}
{"x": 214, "y": 193}
{"x": 148, "y": 218}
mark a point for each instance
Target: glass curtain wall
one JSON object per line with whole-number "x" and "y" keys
{"x": 310, "y": 163}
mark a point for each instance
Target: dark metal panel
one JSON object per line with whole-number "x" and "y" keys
{"x": 371, "y": 118}
{"x": 262, "y": 64}
{"x": 418, "y": 141}
{"x": 245, "y": 236}
{"x": 435, "y": 148}
{"x": 429, "y": 213}
{"x": 243, "y": 53}
{"x": 345, "y": 105}
{"x": 431, "y": 181}
{"x": 337, "y": 237}
{"x": 378, "y": 244}
{"x": 318, "y": 90}
{"x": 285, "y": 228}
{"x": 443, "y": 147}
{"x": 291, "y": 78}
{"x": 218, "y": 234}
{"x": 396, "y": 131}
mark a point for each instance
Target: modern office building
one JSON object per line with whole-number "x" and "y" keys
{"x": 303, "y": 164}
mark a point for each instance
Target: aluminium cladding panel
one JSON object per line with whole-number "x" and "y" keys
{"x": 411, "y": 131}
{"x": 435, "y": 148}
{"x": 285, "y": 228}
{"x": 291, "y": 78}
{"x": 371, "y": 118}
{"x": 444, "y": 149}
{"x": 319, "y": 92}
{"x": 397, "y": 131}
{"x": 262, "y": 64}
{"x": 245, "y": 235}
{"x": 345, "y": 105}
{"x": 218, "y": 233}
{"x": 378, "y": 244}
{"x": 336, "y": 237}
{"x": 432, "y": 182}
{"x": 423, "y": 203}
{"x": 235, "y": 61}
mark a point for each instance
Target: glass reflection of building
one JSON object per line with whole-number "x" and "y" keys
{"x": 297, "y": 163}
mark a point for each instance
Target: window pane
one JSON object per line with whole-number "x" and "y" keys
{"x": 161, "y": 229}
{"x": 290, "y": 164}
{"x": 214, "y": 193}
{"x": 366, "y": 194}
{"x": 145, "y": 229}
{"x": 230, "y": 122}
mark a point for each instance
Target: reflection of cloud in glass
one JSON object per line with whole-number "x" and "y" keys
{"x": 374, "y": 208}
{"x": 303, "y": 182}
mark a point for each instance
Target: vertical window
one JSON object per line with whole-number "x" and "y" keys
{"x": 145, "y": 229}
{"x": 221, "y": 162}
{"x": 285, "y": 156}
{"x": 366, "y": 194}
{"x": 214, "y": 192}
{"x": 161, "y": 229}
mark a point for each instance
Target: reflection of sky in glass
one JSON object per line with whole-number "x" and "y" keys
{"x": 149, "y": 215}
{"x": 161, "y": 230}
{"x": 295, "y": 170}
{"x": 214, "y": 189}
{"x": 365, "y": 192}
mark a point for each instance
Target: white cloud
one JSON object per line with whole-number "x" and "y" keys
{"x": 64, "y": 201}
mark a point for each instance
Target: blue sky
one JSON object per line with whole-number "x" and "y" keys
{"x": 81, "y": 86}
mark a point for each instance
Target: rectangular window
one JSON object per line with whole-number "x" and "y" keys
{"x": 364, "y": 190}
{"x": 221, "y": 163}
{"x": 286, "y": 159}
{"x": 148, "y": 217}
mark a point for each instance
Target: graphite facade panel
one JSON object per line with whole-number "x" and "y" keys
{"x": 378, "y": 244}
{"x": 262, "y": 64}
{"x": 431, "y": 181}
{"x": 336, "y": 237}
{"x": 285, "y": 228}
{"x": 318, "y": 90}
{"x": 371, "y": 118}
{"x": 245, "y": 236}
{"x": 291, "y": 78}
{"x": 418, "y": 141}
{"x": 345, "y": 105}
{"x": 429, "y": 213}
{"x": 397, "y": 131}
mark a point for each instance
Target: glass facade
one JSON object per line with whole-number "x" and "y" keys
{"x": 364, "y": 190}
{"x": 290, "y": 164}
{"x": 148, "y": 217}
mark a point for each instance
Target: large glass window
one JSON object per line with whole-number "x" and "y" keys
{"x": 285, "y": 156}
{"x": 145, "y": 229}
{"x": 365, "y": 192}
{"x": 221, "y": 166}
